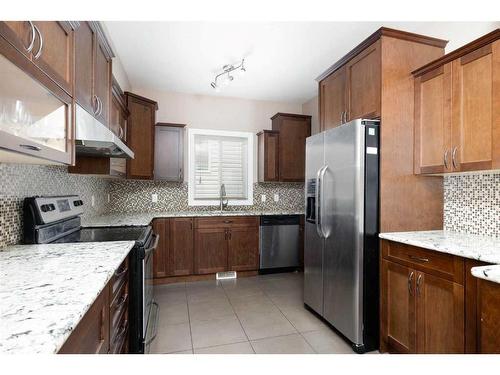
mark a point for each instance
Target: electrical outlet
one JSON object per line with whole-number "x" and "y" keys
{"x": 276, "y": 197}
{"x": 263, "y": 198}
{"x": 92, "y": 201}
{"x": 154, "y": 198}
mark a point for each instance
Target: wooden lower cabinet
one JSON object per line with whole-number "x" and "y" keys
{"x": 398, "y": 325}
{"x": 421, "y": 312}
{"x": 174, "y": 255}
{"x": 181, "y": 247}
{"x": 210, "y": 250}
{"x": 488, "y": 313}
{"x": 204, "y": 246}
{"x": 243, "y": 252}
{"x": 440, "y": 315}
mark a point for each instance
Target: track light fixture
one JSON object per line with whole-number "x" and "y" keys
{"x": 225, "y": 76}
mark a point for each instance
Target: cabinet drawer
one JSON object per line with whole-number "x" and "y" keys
{"x": 226, "y": 222}
{"x": 119, "y": 337}
{"x": 444, "y": 265}
{"x": 118, "y": 308}
{"x": 119, "y": 278}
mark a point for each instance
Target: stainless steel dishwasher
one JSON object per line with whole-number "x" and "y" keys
{"x": 279, "y": 242}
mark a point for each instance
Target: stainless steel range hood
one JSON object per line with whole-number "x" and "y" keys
{"x": 95, "y": 139}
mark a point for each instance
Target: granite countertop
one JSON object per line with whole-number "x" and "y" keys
{"x": 46, "y": 289}
{"x": 482, "y": 248}
{"x": 144, "y": 218}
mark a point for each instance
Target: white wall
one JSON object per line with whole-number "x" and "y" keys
{"x": 120, "y": 74}
{"x": 216, "y": 112}
{"x": 311, "y": 108}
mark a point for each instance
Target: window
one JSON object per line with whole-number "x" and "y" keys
{"x": 220, "y": 157}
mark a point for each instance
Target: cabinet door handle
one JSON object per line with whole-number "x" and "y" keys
{"x": 410, "y": 280}
{"x": 96, "y": 105}
{"x": 39, "y": 53}
{"x": 445, "y": 159}
{"x": 342, "y": 117}
{"x": 31, "y": 147}
{"x": 419, "y": 280}
{"x": 99, "y": 102}
{"x": 418, "y": 259}
{"x": 453, "y": 155}
{"x": 33, "y": 35}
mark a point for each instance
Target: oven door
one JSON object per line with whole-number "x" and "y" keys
{"x": 149, "y": 307}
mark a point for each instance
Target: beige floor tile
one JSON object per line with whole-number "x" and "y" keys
{"x": 170, "y": 296}
{"x": 326, "y": 341}
{"x": 172, "y": 338}
{"x": 190, "y": 351}
{"x": 238, "y": 348}
{"x": 291, "y": 344}
{"x": 215, "y": 332}
{"x": 288, "y": 301}
{"x": 206, "y": 295}
{"x": 210, "y": 310}
{"x": 173, "y": 313}
{"x": 254, "y": 305}
{"x": 259, "y": 325}
{"x": 303, "y": 320}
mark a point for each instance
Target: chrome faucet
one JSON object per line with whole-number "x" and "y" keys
{"x": 222, "y": 196}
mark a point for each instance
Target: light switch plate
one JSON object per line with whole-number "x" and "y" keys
{"x": 109, "y": 197}
{"x": 276, "y": 197}
{"x": 154, "y": 198}
{"x": 263, "y": 198}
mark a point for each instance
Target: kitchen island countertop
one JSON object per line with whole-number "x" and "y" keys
{"x": 45, "y": 290}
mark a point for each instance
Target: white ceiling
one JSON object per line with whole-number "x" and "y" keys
{"x": 282, "y": 58}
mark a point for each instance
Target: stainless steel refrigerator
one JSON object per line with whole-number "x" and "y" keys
{"x": 341, "y": 229}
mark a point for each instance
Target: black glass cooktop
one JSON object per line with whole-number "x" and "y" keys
{"x": 137, "y": 234}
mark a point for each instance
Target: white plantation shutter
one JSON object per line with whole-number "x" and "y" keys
{"x": 220, "y": 160}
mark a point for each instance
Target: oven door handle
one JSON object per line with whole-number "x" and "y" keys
{"x": 155, "y": 329}
{"x": 155, "y": 244}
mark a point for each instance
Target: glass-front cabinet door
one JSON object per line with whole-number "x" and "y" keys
{"x": 33, "y": 121}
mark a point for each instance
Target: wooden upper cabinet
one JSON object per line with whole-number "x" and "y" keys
{"x": 332, "y": 98}
{"x": 457, "y": 109}
{"x": 84, "y": 67}
{"x": 433, "y": 121}
{"x": 118, "y": 112}
{"x": 102, "y": 81}
{"x": 140, "y": 136}
{"x": 363, "y": 83}
{"x": 268, "y": 154}
{"x": 181, "y": 260}
{"x": 21, "y": 34}
{"x": 54, "y": 51}
{"x": 243, "y": 249}
{"x": 48, "y": 44}
{"x": 476, "y": 102}
{"x": 293, "y": 130}
{"x": 440, "y": 315}
{"x": 210, "y": 253}
{"x": 397, "y": 320}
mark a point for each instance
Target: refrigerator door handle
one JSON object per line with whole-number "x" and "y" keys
{"x": 322, "y": 176}
{"x": 317, "y": 203}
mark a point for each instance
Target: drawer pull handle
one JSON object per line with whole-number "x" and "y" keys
{"x": 228, "y": 221}
{"x": 122, "y": 331}
{"x": 122, "y": 300}
{"x": 119, "y": 273}
{"x": 418, "y": 259}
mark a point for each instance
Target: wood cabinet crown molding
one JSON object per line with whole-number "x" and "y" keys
{"x": 462, "y": 51}
{"x": 291, "y": 115}
{"x": 142, "y": 98}
{"x": 103, "y": 40}
{"x": 383, "y": 31}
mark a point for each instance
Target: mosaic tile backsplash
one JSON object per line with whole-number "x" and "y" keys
{"x": 129, "y": 196}
{"x": 18, "y": 181}
{"x": 472, "y": 204}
